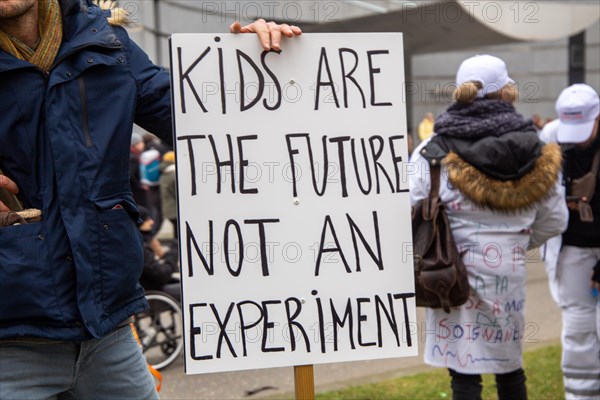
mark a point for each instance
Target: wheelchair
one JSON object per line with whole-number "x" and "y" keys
{"x": 160, "y": 329}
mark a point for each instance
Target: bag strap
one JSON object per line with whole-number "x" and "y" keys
{"x": 434, "y": 152}
{"x": 596, "y": 162}
{"x": 435, "y": 181}
{"x": 431, "y": 203}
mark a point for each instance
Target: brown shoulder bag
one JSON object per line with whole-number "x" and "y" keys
{"x": 440, "y": 276}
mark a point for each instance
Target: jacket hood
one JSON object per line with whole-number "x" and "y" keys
{"x": 505, "y": 173}
{"x": 508, "y": 195}
{"x": 508, "y": 157}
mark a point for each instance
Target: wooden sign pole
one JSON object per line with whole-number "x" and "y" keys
{"x": 304, "y": 381}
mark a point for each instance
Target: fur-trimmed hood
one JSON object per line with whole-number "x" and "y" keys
{"x": 508, "y": 195}
{"x": 506, "y": 173}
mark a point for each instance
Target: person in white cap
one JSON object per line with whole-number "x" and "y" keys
{"x": 490, "y": 156}
{"x": 577, "y": 276}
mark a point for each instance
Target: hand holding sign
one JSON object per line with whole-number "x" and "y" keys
{"x": 269, "y": 33}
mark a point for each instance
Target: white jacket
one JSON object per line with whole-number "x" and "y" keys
{"x": 485, "y": 334}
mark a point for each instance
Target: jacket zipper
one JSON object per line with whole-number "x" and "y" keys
{"x": 82, "y": 92}
{"x": 84, "y": 111}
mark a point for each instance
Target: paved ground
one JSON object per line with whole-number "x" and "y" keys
{"x": 543, "y": 327}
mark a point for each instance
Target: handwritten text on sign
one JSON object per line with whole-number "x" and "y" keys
{"x": 293, "y": 203}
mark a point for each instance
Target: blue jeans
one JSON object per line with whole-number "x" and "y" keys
{"x": 112, "y": 367}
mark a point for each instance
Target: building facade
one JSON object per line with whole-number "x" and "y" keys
{"x": 540, "y": 68}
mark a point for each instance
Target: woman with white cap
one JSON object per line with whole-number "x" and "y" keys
{"x": 502, "y": 194}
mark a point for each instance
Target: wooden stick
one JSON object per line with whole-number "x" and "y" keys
{"x": 304, "y": 380}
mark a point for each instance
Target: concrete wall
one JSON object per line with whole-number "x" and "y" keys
{"x": 540, "y": 70}
{"x": 184, "y": 16}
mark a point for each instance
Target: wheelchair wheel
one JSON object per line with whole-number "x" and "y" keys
{"x": 160, "y": 329}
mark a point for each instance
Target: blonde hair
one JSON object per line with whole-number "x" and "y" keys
{"x": 509, "y": 93}
{"x": 466, "y": 93}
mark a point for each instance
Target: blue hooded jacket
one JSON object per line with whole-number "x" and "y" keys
{"x": 64, "y": 139}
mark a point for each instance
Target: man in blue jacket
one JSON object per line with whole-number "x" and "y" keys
{"x": 71, "y": 87}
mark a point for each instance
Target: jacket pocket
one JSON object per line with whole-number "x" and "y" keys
{"x": 26, "y": 279}
{"x": 121, "y": 258}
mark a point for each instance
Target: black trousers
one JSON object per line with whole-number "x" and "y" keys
{"x": 511, "y": 386}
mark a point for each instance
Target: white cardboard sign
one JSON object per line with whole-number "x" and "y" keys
{"x": 294, "y": 209}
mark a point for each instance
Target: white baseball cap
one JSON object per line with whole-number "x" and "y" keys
{"x": 490, "y": 71}
{"x": 577, "y": 108}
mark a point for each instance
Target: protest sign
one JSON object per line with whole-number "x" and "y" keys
{"x": 294, "y": 211}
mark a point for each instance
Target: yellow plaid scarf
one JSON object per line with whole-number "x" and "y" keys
{"x": 50, "y": 28}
